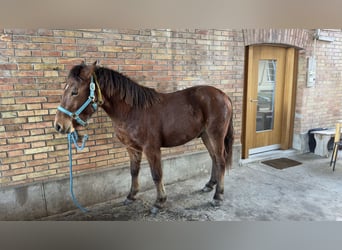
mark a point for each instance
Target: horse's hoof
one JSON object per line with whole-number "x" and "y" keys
{"x": 216, "y": 203}
{"x": 207, "y": 189}
{"x": 128, "y": 202}
{"x": 155, "y": 210}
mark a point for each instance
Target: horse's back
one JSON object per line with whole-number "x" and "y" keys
{"x": 185, "y": 113}
{"x": 209, "y": 99}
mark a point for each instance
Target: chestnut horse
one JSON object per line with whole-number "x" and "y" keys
{"x": 146, "y": 120}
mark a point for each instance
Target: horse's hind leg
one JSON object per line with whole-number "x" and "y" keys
{"x": 135, "y": 159}
{"x": 215, "y": 145}
{"x": 220, "y": 164}
{"x": 153, "y": 156}
{"x": 209, "y": 186}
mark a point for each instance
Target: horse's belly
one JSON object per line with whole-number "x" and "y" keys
{"x": 177, "y": 142}
{"x": 182, "y": 126}
{"x": 177, "y": 138}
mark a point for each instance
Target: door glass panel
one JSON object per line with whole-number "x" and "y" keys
{"x": 266, "y": 93}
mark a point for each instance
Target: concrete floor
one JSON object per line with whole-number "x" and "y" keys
{"x": 253, "y": 192}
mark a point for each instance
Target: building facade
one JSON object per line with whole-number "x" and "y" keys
{"x": 34, "y": 65}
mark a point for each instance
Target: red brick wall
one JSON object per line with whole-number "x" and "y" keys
{"x": 320, "y": 105}
{"x": 35, "y": 63}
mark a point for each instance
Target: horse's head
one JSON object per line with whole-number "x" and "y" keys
{"x": 78, "y": 100}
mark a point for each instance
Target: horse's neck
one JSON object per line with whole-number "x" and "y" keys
{"x": 117, "y": 109}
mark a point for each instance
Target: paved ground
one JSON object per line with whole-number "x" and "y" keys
{"x": 253, "y": 192}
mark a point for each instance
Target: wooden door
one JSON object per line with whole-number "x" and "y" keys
{"x": 269, "y": 99}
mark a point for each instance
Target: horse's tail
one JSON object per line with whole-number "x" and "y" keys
{"x": 228, "y": 143}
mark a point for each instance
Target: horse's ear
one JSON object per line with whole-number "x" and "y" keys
{"x": 87, "y": 71}
{"x": 96, "y": 62}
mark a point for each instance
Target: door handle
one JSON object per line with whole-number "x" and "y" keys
{"x": 253, "y": 100}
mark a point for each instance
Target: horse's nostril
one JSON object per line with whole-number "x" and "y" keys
{"x": 58, "y": 127}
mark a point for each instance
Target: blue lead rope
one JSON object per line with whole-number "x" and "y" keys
{"x": 72, "y": 138}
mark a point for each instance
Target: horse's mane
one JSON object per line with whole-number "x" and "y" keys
{"x": 113, "y": 83}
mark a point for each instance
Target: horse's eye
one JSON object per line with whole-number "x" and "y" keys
{"x": 74, "y": 92}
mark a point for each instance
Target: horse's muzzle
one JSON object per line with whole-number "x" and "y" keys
{"x": 60, "y": 128}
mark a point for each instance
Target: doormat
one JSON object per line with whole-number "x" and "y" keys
{"x": 281, "y": 163}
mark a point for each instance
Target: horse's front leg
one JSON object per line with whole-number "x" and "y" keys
{"x": 135, "y": 160}
{"x": 154, "y": 159}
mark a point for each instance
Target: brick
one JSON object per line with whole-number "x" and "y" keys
{"x": 14, "y": 140}
{"x": 67, "y": 33}
{"x": 35, "y": 119}
{"x": 34, "y": 106}
{"x": 4, "y": 180}
{"x": 27, "y": 73}
{"x": 35, "y": 99}
{"x": 11, "y": 66}
{"x": 82, "y": 167}
{"x": 45, "y": 32}
{"x": 5, "y": 73}
{"x": 3, "y": 168}
{"x": 6, "y": 37}
{"x": 51, "y": 73}
{"x": 20, "y": 177}
{"x": 93, "y": 54}
{"x": 162, "y": 57}
{"x": 39, "y": 138}
{"x": 19, "y": 53}
{"x": 15, "y": 153}
{"x": 18, "y": 171}
{"x": 41, "y": 173}
{"x": 45, "y": 39}
{"x": 131, "y": 67}
{"x": 25, "y": 66}
{"x": 50, "y": 106}
{"x": 3, "y": 142}
{"x": 72, "y": 61}
{"x": 37, "y": 162}
{"x": 17, "y": 165}
{"x": 66, "y": 48}
{"x": 69, "y": 53}
{"x": 7, "y": 53}
{"x": 38, "y": 144}
{"x": 28, "y": 60}
{"x": 16, "y": 159}
{"x": 46, "y": 53}
{"x": 25, "y": 113}
{"x": 82, "y": 161}
{"x": 14, "y": 133}
{"x": 14, "y": 121}
{"x": 6, "y": 87}
{"x": 38, "y": 150}
{"x": 40, "y": 156}
{"x": 68, "y": 40}
{"x": 21, "y": 31}
{"x": 46, "y": 66}
{"x": 49, "y": 60}
{"x": 8, "y": 114}
{"x": 89, "y": 41}
{"x": 34, "y": 132}
{"x": 110, "y": 49}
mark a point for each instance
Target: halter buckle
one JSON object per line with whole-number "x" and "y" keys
{"x": 92, "y": 86}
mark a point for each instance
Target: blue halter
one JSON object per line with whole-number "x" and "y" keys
{"x": 91, "y": 99}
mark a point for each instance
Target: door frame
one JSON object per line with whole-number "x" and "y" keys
{"x": 289, "y": 98}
